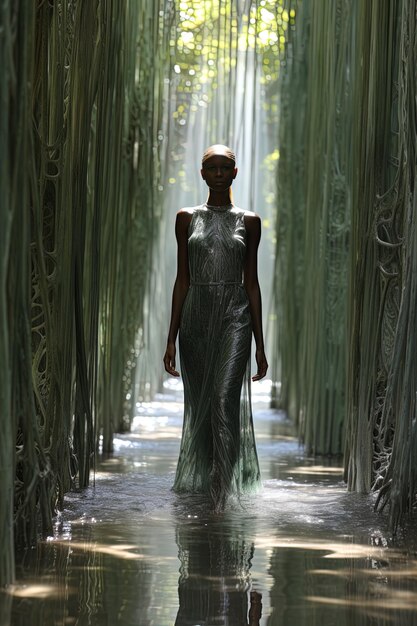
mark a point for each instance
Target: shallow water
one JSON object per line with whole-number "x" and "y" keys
{"x": 128, "y": 551}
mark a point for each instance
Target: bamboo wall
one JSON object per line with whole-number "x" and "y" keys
{"x": 382, "y": 372}
{"x": 79, "y": 172}
{"x": 313, "y": 223}
{"x": 346, "y": 241}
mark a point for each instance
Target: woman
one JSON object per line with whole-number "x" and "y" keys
{"x": 216, "y": 314}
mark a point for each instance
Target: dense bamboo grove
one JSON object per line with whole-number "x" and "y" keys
{"x": 15, "y": 390}
{"x": 86, "y": 140}
{"x": 347, "y": 202}
{"x": 313, "y": 222}
{"x": 81, "y": 106}
{"x": 382, "y": 412}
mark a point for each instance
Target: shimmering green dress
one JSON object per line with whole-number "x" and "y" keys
{"x": 218, "y": 454}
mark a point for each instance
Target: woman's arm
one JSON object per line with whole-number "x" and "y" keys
{"x": 181, "y": 285}
{"x": 250, "y": 280}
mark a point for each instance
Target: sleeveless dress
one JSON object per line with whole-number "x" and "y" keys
{"x": 218, "y": 453}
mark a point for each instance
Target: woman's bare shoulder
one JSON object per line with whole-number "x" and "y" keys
{"x": 184, "y": 215}
{"x": 249, "y": 216}
{"x": 188, "y": 210}
{"x": 183, "y": 219}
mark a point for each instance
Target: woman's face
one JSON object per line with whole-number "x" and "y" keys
{"x": 219, "y": 172}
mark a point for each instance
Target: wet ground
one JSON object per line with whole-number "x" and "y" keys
{"x": 128, "y": 551}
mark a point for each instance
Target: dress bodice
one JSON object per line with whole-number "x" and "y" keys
{"x": 216, "y": 245}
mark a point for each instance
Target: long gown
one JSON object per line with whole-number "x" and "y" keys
{"x": 218, "y": 453}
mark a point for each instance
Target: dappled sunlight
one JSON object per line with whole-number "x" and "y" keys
{"x": 315, "y": 470}
{"x": 155, "y": 408}
{"x": 387, "y": 599}
{"x": 380, "y": 569}
{"x": 331, "y": 549}
{"x": 119, "y": 551}
{"x": 108, "y": 462}
{"x": 173, "y": 385}
{"x": 36, "y": 591}
{"x": 267, "y": 436}
{"x": 278, "y": 488}
{"x": 150, "y": 432}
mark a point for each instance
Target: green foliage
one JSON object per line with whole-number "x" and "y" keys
{"x": 213, "y": 45}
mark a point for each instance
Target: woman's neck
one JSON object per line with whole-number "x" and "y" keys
{"x": 219, "y": 199}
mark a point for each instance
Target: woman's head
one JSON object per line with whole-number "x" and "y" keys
{"x": 218, "y": 167}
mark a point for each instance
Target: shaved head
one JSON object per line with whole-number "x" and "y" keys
{"x": 218, "y": 149}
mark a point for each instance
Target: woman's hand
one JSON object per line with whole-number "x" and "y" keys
{"x": 169, "y": 360}
{"x": 262, "y": 364}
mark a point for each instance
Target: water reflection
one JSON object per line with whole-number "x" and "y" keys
{"x": 81, "y": 583}
{"x": 347, "y": 585}
{"x": 129, "y": 552}
{"x": 215, "y": 584}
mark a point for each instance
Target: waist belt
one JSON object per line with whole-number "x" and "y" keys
{"x": 215, "y": 284}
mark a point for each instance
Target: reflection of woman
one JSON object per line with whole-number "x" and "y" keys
{"x": 216, "y": 306}
{"x": 214, "y": 584}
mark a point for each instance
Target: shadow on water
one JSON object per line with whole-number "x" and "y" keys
{"x": 128, "y": 551}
